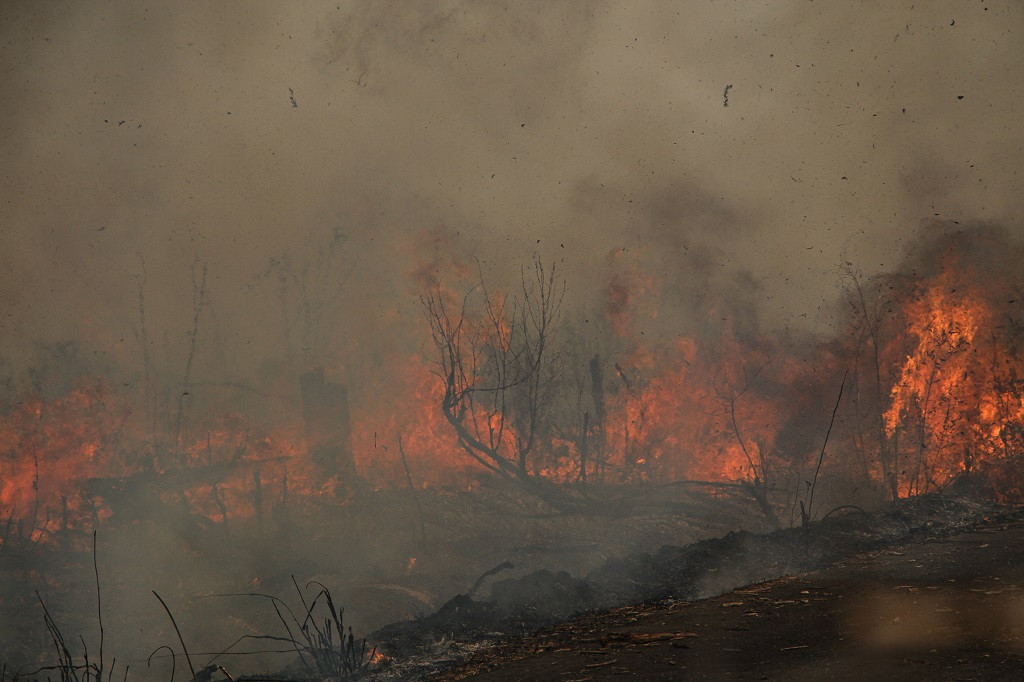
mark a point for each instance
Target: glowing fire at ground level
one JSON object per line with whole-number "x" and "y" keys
{"x": 407, "y": 492}
{"x": 934, "y": 388}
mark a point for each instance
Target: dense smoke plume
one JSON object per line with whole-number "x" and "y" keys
{"x": 155, "y": 134}
{"x": 202, "y": 202}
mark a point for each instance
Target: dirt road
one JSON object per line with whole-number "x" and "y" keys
{"x": 949, "y": 609}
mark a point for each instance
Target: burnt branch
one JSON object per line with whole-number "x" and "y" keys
{"x": 499, "y": 359}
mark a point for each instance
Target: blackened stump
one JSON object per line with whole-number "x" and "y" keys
{"x": 328, "y": 424}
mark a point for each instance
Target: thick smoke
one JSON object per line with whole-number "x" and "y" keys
{"x": 158, "y": 134}
{"x": 222, "y": 196}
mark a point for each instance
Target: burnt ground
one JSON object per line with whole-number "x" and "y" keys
{"x": 386, "y": 555}
{"x": 677, "y": 612}
{"x": 941, "y": 607}
{"x": 374, "y": 550}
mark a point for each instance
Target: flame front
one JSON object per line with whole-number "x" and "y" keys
{"x": 940, "y": 372}
{"x": 956, "y": 401}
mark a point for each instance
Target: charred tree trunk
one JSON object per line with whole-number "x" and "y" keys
{"x": 257, "y": 497}
{"x": 328, "y": 425}
{"x": 759, "y": 492}
{"x": 892, "y": 474}
{"x": 597, "y": 394}
{"x": 584, "y": 449}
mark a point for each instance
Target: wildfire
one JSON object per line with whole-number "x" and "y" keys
{"x": 428, "y": 448}
{"x": 624, "y": 291}
{"x": 937, "y": 389}
{"x": 956, "y": 404}
{"x": 49, "y": 450}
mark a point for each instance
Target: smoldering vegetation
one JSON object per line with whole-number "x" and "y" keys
{"x": 520, "y": 606}
{"x": 516, "y": 441}
{"x": 383, "y": 297}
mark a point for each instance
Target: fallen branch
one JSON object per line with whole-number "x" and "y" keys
{"x": 480, "y": 581}
{"x": 845, "y": 506}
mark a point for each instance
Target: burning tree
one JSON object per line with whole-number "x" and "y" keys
{"x": 935, "y": 390}
{"x": 942, "y": 349}
{"x": 758, "y": 457}
{"x": 526, "y": 405}
{"x": 872, "y": 308}
{"x": 499, "y": 363}
{"x": 957, "y": 400}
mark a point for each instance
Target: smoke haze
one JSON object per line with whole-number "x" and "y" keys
{"x": 229, "y": 194}
{"x": 148, "y": 135}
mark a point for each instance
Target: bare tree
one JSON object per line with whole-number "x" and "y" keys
{"x": 582, "y": 419}
{"x": 940, "y": 346}
{"x": 727, "y": 393}
{"x": 1008, "y": 385}
{"x": 308, "y": 286}
{"x": 871, "y": 304}
{"x": 198, "y": 270}
{"x": 498, "y": 359}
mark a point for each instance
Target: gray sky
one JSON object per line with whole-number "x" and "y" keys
{"x": 237, "y": 132}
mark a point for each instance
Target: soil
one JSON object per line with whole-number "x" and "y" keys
{"x": 374, "y": 548}
{"x": 936, "y": 608}
{"x": 381, "y": 559}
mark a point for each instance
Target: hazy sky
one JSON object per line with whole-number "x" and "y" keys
{"x": 162, "y": 132}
